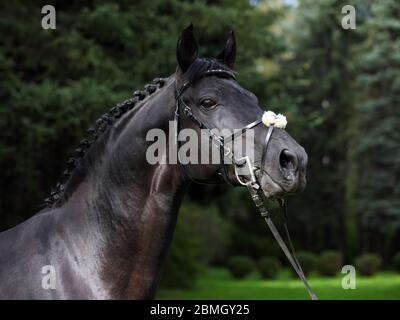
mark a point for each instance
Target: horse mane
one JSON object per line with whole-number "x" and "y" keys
{"x": 79, "y": 157}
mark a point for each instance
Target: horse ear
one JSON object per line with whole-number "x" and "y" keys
{"x": 186, "y": 49}
{"x": 228, "y": 55}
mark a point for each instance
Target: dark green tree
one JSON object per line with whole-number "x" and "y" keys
{"x": 378, "y": 142}
{"x": 318, "y": 69}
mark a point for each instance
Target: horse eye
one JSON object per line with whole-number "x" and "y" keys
{"x": 207, "y": 103}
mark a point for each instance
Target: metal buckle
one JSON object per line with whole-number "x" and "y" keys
{"x": 187, "y": 111}
{"x": 250, "y": 168}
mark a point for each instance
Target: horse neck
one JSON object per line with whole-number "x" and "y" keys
{"x": 129, "y": 206}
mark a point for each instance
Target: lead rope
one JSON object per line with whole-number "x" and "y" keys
{"x": 282, "y": 205}
{"x": 258, "y": 199}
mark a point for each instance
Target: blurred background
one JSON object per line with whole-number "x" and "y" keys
{"x": 340, "y": 90}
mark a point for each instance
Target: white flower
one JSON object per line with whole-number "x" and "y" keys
{"x": 280, "y": 121}
{"x": 268, "y": 118}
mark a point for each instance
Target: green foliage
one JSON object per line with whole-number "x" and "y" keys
{"x": 253, "y": 244}
{"x": 368, "y": 264}
{"x": 240, "y": 266}
{"x": 379, "y": 139}
{"x": 208, "y": 226}
{"x": 201, "y": 236}
{"x": 308, "y": 262}
{"x": 183, "y": 262}
{"x": 319, "y": 74}
{"x": 329, "y": 263}
{"x": 268, "y": 267}
{"x": 396, "y": 261}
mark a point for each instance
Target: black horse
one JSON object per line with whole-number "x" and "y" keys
{"x": 105, "y": 233}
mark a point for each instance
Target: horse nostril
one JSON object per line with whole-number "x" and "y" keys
{"x": 288, "y": 160}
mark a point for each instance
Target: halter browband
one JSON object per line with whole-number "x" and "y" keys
{"x": 252, "y": 185}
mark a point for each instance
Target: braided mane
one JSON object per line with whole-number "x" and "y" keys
{"x": 95, "y": 132}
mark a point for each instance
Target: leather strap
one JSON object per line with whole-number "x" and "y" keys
{"x": 259, "y": 199}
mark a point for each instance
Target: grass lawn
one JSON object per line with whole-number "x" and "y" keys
{"x": 218, "y": 284}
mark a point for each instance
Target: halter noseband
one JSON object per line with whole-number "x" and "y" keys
{"x": 252, "y": 185}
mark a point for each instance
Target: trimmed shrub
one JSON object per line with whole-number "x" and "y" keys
{"x": 268, "y": 267}
{"x": 240, "y": 266}
{"x": 329, "y": 263}
{"x": 308, "y": 262}
{"x": 368, "y": 264}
